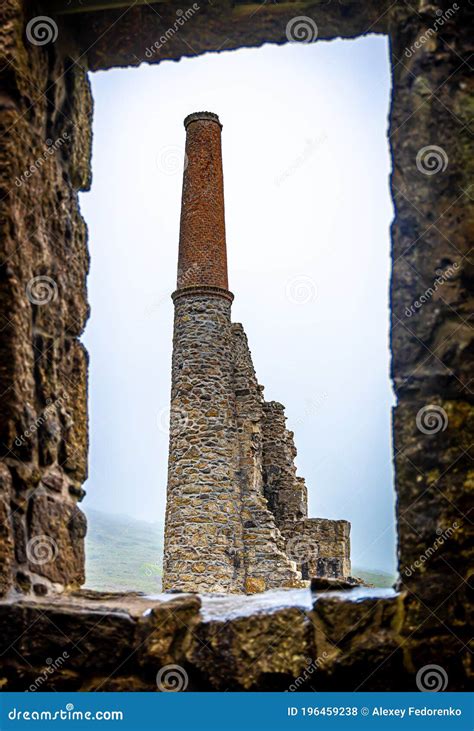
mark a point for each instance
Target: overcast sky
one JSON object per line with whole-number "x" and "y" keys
{"x": 306, "y": 176}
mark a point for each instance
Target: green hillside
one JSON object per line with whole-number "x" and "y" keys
{"x": 124, "y": 554}
{"x": 375, "y": 578}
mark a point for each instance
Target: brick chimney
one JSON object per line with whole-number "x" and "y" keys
{"x": 202, "y": 261}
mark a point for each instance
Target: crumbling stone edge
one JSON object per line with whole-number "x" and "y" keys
{"x": 286, "y": 642}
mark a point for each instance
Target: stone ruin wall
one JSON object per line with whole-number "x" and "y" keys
{"x": 266, "y": 563}
{"x": 320, "y": 546}
{"x": 236, "y": 516}
{"x": 219, "y": 533}
{"x": 45, "y": 127}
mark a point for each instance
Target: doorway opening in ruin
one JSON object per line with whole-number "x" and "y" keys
{"x": 308, "y": 209}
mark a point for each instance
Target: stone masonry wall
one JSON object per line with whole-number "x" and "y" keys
{"x": 45, "y": 116}
{"x": 266, "y": 563}
{"x": 320, "y": 547}
{"x": 219, "y": 533}
{"x": 203, "y": 526}
{"x": 223, "y": 531}
{"x": 286, "y": 494}
{"x": 324, "y": 546}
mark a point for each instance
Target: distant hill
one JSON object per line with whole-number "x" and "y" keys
{"x": 125, "y": 554}
{"x": 375, "y": 577}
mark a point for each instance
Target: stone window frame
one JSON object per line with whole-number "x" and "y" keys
{"x": 46, "y": 94}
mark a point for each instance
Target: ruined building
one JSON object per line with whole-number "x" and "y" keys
{"x": 236, "y": 518}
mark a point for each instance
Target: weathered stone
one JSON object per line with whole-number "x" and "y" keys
{"x": 330, "y": 584}
{"x": 42, "y": 233}
{"x": 106, "y": 638}
{"x": 7, "y": 550}
{"x": 55, "y": 547}
{"x": 45, "y": 115}
{"x": 253, "y": 585}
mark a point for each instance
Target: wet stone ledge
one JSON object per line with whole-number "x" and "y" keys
{"x": 282, "y": 640}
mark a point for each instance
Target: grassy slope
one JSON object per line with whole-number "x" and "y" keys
{"x": 125, "y": 554}
{"x": 376, "y": 578}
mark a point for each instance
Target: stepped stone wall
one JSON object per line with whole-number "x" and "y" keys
{"x": 320, "y": 547}
{"x": 327, "y": 547}
{"x": 286, "y": 493}
{"x": 266, "y": 563}
{"x": 236, "y": 518}
{"x": 220, "y": 534}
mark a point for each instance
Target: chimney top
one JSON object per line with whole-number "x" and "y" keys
{"x": 197, "y": 116}
{"x": 202, "y": 258}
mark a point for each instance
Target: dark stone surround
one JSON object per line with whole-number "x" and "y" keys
{"x": 382, "y": 641}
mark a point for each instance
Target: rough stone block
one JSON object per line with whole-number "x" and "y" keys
{"x": 55, "y": 547}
